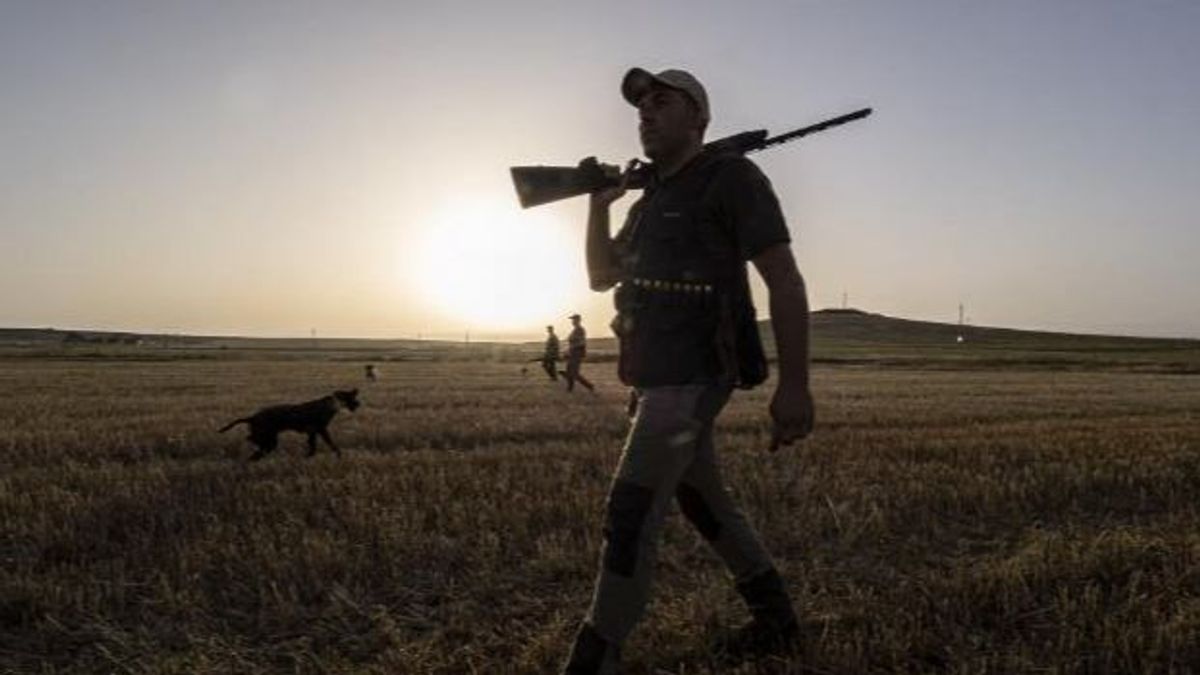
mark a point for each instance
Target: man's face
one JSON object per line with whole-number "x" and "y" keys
{"x": 668, "y": 122}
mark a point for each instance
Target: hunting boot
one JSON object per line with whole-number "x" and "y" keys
{"x": 774, "y": 627}
{"x": 592, "y": 654}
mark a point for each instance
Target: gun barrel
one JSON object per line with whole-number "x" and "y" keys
{"x": 813, "y": 128}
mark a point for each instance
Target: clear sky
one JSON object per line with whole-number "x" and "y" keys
{"x": 270, "y": 168}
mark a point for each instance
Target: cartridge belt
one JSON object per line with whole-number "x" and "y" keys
{"x": 664, "y": 286}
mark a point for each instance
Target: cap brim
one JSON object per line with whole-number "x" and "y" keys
{"x": 636, "y": 83}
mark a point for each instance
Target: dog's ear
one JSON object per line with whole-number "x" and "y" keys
{"x": 354, "y": 392}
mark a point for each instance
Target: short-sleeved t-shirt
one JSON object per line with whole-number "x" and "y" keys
{"x": 718, "y": 211}
{"x": 696, "y": 229}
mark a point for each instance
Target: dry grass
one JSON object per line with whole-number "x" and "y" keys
{"x": 940, "y": 521}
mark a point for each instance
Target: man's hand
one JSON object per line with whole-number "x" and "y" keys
{"x": 792, "y": 414}
{"x": 605, "y": 197}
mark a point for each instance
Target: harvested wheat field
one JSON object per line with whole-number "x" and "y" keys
{"x": 1007, "y": 518}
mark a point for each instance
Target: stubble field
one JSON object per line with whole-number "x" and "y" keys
{"x": 960, "y": 521}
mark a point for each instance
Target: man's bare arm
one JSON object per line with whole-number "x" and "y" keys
{"x": 604, "y": 268}
{"x": 791, "y": 406}
{"x": 601, "y": 254}
{"x": 789, "y": 311}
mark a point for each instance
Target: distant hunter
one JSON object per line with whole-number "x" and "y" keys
{"x": 550, "y": 354}
{"x": 688, "y": 336}
{"x": 576, "y": 353}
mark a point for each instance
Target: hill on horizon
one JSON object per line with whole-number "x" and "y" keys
{"x": 851, "y": 336}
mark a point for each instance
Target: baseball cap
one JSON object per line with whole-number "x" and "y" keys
{"x": 639, "y": 80}
{"x": 574, "y": 316}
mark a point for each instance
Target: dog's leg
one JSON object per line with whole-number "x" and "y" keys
{"x": 325, "y": 435}
{"x": 265, "y": 442}
{"x": 312, "y": 444}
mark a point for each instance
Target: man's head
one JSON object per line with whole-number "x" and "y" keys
{"x": 550, "y": 330}
{"x": 575, "y": 319}
{"x": 672, "y": 110}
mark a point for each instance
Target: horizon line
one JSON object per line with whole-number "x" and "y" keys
{"x": 501, "y": 337}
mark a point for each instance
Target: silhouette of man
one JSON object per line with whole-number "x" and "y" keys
{"x": 688, "y": 336}
{"x": 576, "y": 351}
{"x": 550, "y": 354}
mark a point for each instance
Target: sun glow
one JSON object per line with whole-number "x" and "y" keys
{"x": 495, "y": 267}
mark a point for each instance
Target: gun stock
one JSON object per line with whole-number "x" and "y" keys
{"x": 537, "y": 185}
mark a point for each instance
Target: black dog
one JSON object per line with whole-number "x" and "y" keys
{"x": 311, "y": 418}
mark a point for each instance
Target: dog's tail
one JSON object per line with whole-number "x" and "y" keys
{"x": 232, "y": 424}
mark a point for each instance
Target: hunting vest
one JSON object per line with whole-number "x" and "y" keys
{"x": 684, "y": 309}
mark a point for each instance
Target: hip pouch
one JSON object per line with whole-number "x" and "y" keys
{"x": 625, "y": 300}
{"x": 739, "y": 344}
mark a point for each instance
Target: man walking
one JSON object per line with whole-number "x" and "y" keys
{"x": 550, "y": 354}
{"x": 576, "y": 351}
{"x": 688, "y": 336}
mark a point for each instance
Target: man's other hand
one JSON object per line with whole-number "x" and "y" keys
{"x": 792, "y": 415}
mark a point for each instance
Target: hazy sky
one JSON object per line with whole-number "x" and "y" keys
{"x": 270, "y": 168}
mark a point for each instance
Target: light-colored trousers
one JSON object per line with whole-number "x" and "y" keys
{"x": 668, "y": 456}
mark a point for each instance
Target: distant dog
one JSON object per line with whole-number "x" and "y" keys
{"x": 311, "y": 418}
{"x": 372, "y": 372}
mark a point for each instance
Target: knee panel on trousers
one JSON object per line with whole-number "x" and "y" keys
{"x": 628, "y": 506}
{"x": 697, "y": 510}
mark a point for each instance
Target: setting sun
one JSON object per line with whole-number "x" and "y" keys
{"x": 494, "y": 267}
